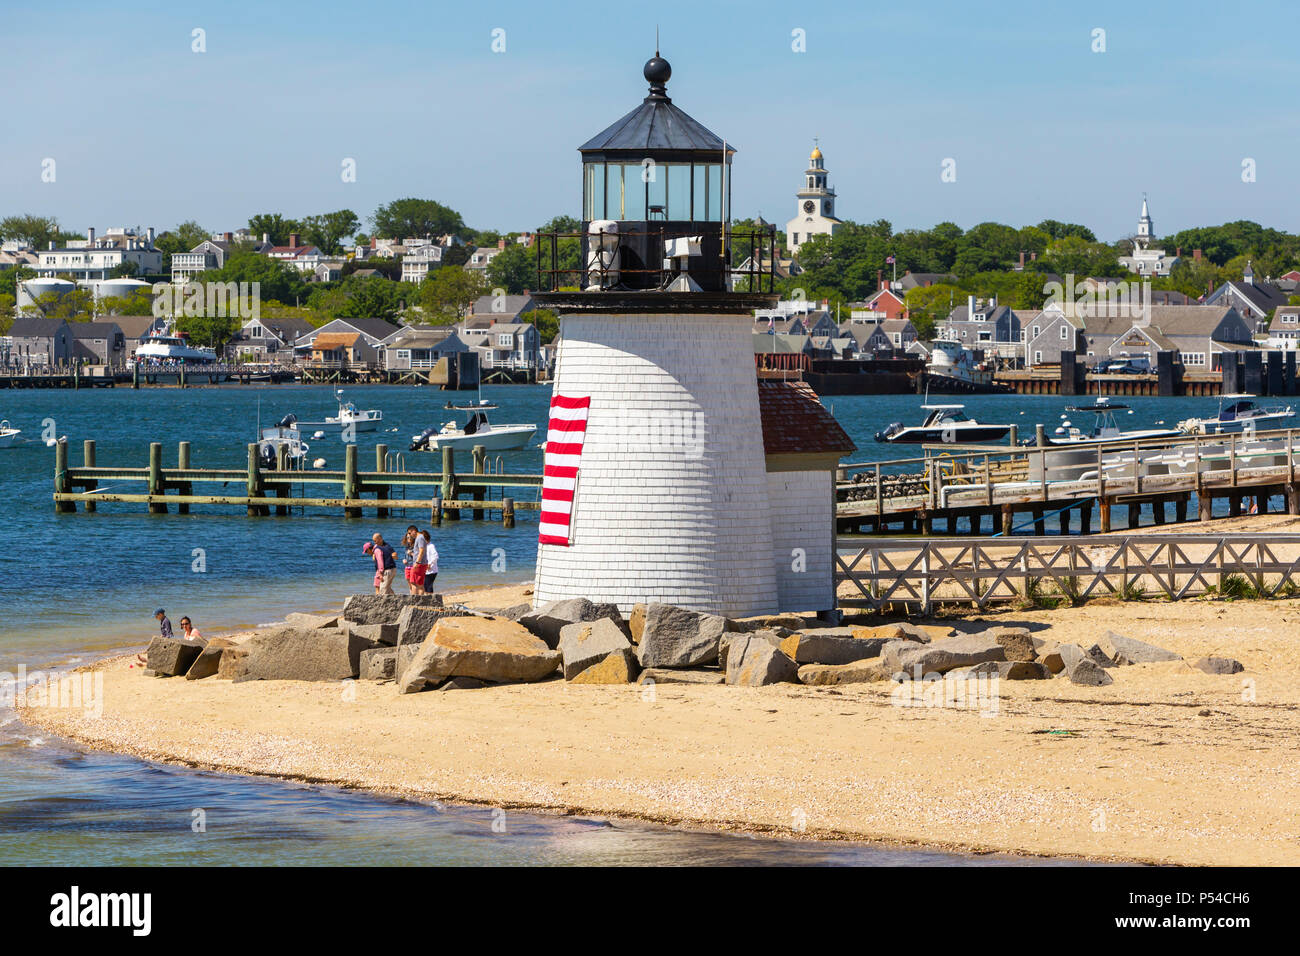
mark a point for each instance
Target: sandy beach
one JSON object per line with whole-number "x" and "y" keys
{"x": 1167, "y": 765}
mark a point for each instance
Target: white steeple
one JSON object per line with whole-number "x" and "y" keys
{"x": 1146, "y": 231}
{"x": 814, "y": 204}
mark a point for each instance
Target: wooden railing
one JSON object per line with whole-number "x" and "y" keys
{"x": 923, "y": 572}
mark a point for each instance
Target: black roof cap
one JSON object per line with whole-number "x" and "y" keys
{"x": 656, "y": 125}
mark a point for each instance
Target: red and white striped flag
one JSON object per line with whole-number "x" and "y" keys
{"x": 564, "y": 437}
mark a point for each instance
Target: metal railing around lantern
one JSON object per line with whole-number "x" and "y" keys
{"x": 756, "y": 272}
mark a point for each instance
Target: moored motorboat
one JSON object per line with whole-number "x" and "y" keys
{"x": 1105, "y": 428}
{"x": 476, "y": 430}
{"x": 945, "y": 424}
{"x": 1238, "y": 414}
{"x": 348, "y": 417}
{"x": 9, "y": 436}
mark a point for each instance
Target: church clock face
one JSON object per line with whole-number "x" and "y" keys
{"x": 808, "y": 205}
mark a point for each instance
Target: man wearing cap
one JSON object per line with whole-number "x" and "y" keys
{"x": 166, "y": 626}
{"x": 385, "y": 563}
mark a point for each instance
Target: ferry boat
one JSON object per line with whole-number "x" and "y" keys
{"x": 1240, "y": 414}
{"x": 8, "y": 435}
{"x": 943, "y": 425}
{"x": 162, "y": 348}
{"x": 476, "y": 430}
{"x": 1105, "y": 428}
{"x": 348, "y": 416}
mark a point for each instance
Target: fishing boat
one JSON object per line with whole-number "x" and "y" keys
{"x": 9, "y": 435}
{"x": 1105, "y": 428}
{"x": 954, "y": 369}
{"x": 476, "y": 430}
{"x": 284, "y": 434}
{"x": 163, "y": 348}
{"x": 1238, "y": 413}
{"x": 945, "y": 424}
{"x": 349, "y": 416}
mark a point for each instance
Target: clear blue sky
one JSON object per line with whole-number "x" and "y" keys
{"x": 145, "y": 131}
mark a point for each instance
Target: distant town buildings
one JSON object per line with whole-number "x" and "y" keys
{"x": 1146, "y": 261}
{"x": 97, "y": 257}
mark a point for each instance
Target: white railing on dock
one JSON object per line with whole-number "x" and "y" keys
{"x": 924, "y": 572}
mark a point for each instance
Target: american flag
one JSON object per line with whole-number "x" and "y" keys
{"x": 889, "y": 261}
{"x": 564, "y": 437}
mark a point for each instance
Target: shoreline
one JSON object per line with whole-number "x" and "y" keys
{"x": 1181, "y": 770}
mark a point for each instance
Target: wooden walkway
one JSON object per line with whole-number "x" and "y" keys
{"x": 979, "y": 572}
{"x": 259, "y": 490}
{"x": 974, "y": 482}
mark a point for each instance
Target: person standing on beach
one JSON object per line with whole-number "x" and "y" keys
{"x": 385, "y": 563}
{"x": 418, "y": 572}
{"x": 431, "y": 562}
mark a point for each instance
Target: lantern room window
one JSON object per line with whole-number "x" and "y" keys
{"x": 635, "y": 192}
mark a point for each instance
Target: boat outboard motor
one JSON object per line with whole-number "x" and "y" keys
{"x": 890, "y": 431}
{"x": 421, "y": 442}
{"x": 288, "y": 421}
{"x": 269, "y": 456}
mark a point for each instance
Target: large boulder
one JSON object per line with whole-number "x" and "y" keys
{"x": 858, "y": 672}
{"x": 489, "y": 649}
{"x": 944, "y": 655}
{"x": 209, "y": 659}
{"x": 666, "y": 675}
{"x": 385, "y": 634}
{"x": 290, "y": 653}
{"x": 1017, "y": 642}
{"x": 582, "y": 645}
{"x": 384, "y": 608}
{"x": 729, "y": 637}
{"x": 1128, "y": 650}
{"x": 385, "y": 663}
{"x": 312, "y": 622}
{"x": 676, "y": 637}
{"x": 636, "y": 623}
{"x": 617, "y": 667}
{"x": 172, "y": 656}
{"x": 1218, "y": 665}
{"x": 1088, "y": 672}
{"x": 770, "y": 622}
{"x": 754, "y": 662}
{"x": 1073, "y": 653}
{"x": 414, "y": 623}
{"x": 1003, "y": 670}
{"x": 819, "y": 647}
{"x": 546, "y": 622}
{"x": 515, "y": 611}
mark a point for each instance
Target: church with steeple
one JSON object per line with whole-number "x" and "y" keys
{"x": 1146, "y": 261}
{"x": 814, "y": 206}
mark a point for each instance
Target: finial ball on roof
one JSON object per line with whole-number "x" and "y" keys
{"x": 657, "y": 70}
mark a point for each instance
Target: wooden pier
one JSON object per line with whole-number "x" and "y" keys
{"x": 979, "y": 572}
{"x": 262, "y": 491}
{"x": 1014, "y": 487}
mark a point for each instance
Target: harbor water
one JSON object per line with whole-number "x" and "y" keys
{"x": 73, "y": 587}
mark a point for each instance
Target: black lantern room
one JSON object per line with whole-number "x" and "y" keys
{"x": 658, "y": 175}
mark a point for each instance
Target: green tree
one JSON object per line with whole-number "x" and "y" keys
{"x": 445, "y": 297}
{"x": 275, "y": 279}
{"x": 547, "y": 323}
{"x": 209, "y": 331}
{"x": 416, "y": 218}
{"x": 929, "y": 305}
{"x": 35, "y": 231}
{"x": 139, "y": 302}
{"x": 274, "y": 226}
{"x": 514, "y": 269}
{"x": 328, "y": 230}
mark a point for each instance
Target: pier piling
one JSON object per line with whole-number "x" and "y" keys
{"x": 88, "y": 459}
{"x": 156, "y": 487}
{"x": 62, "y": 480}
{"x": 351, "y": 488}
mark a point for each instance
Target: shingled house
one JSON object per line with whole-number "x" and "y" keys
{"x": 803, "y": 445}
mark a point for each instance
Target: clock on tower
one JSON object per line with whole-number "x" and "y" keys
{"x": 814, "y": 207}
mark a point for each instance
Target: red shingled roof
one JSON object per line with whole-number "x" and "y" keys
{"x": 795, "y": 422}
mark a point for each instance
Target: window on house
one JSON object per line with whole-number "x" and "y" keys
{"x": 505, "y": 339}
{"x": 1065, "y": 333}
{"x": 1034, "y": 332}
{"x": 1038, "y": 358}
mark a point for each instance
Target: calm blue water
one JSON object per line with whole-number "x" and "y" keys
{"x": 72, "y": 586}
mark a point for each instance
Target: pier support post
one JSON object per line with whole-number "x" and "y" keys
{"x": 62, "y": 481}
{"x": 1040, "y": 523}
{"x": 155, "y": 479}
{"x": 351, "y": 488}
{"x": 1006, "y": 519}
{"x": 1293, "y": 499}
{"x": 1234, "y": 504}
{"x": 88, "y": 459}
{"x": 508, "y": 512}
{"x": 480, "y": 467}
{"x": 1085, "y": 517}
{"x": 1204, "y": 506}
{"x": 281, "y": 466}
{"x": 1013, "y": 436}
{"x": 436, "y": 511}
{"x": 254, "y": 485}
{"x": 449, "y": 490}
{"x": 183, "y": 463}
{"x": 1133, "y": 515}
{"x": 1158, "y": 510}
{"x": 381, "y": 465}
{"x": 1103, "y": 514}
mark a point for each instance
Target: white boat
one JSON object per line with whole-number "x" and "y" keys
{"x": 1105, "y": 428}
{"x": 476, "y": 430}
{"x": 945, "y": 424}
{"x": 8, "y": 435}
{"x": 161, "y": 348}
{"x": 348, "y": 416}
{"x": 1240, "y": 415}
{"x": 284, "y": 435}
{"x": 950, "y": 360}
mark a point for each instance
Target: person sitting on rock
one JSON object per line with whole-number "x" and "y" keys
{"x": 191, "y": 632}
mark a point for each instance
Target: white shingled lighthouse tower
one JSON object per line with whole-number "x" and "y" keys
{"x": 656, "y": 485}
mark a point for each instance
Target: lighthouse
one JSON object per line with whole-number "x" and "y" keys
{"x": 656, "y": 486}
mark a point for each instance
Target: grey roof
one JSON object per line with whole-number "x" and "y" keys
{"x": 512, "y": 305}
{"x": 31, "y": 326}
{"x": 654, "y": 125}
{"x": 913, "y": 280}
{"x": 93, "y": 330}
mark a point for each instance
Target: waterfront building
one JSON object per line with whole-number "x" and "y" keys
{"x": 36, "y": 340}
{"x": 417, "y": 347}
{"x": 1253, "y": 299}
{"x": 268, "y": 339}
{"x": 663, "y": 486}
{"x": 96, "y": 257}
{"x": 814, "y": 205}
{"x": 1284, "y": 329}
{"x": 212, "y": 254}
